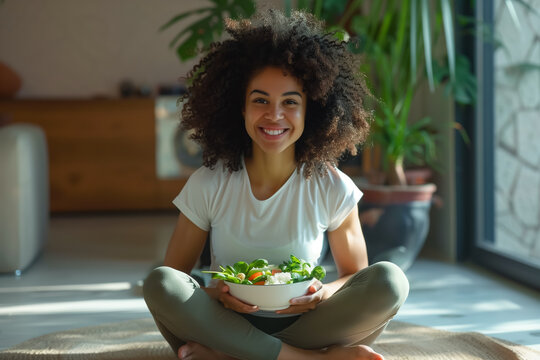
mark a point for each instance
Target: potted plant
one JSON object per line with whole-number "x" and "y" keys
{"x": 395, "y": 214}
{"x": 396, "y": 37}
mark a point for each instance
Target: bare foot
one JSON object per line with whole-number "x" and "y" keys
{"x": 196, "y": 351}
{"x": 336, "y": 352}
{"x": 358, "y": 352}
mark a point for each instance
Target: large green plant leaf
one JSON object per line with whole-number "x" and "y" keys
{"x": 463, "y": 87}
{"x": 448, "y": 22}
{"x": 208, "y": 28}
{"x": 412, "y": 37}
{"x": 426, "y": 31}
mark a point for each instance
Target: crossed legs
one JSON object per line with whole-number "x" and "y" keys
{"x": 355, "y": 315}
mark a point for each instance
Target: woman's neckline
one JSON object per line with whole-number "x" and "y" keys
{"x": 266, "y": 194}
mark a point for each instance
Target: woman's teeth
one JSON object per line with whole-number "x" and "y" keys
{"x": 274, "y": 132}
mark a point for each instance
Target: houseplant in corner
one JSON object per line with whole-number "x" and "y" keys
{"x": 397, "y": 58}
{"x": 395, "y": 215}
{"x": 397, "y": 39}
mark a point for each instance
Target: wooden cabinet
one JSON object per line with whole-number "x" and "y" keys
{"x": 101, "y": 153}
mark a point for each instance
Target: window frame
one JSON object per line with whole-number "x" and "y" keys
{"x": 475, "y": 178}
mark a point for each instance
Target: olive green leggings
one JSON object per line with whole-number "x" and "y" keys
{"x": 356, "y": 314}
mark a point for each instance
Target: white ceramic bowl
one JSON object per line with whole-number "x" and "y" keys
{"x": 269, "y": 297}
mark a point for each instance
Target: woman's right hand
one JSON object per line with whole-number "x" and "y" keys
{"x": 221, "y": 293}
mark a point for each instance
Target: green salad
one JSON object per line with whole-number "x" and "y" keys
{"x": 259, "y": 272}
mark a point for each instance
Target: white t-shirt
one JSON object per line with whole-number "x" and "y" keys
{"x": 291, "y": 221}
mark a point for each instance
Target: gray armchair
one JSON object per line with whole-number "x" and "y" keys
{"x": 24, "y": 195}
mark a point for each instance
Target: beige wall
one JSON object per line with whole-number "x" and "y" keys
{"x": 81, "y": 48}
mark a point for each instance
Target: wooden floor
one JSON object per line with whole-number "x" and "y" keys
{"x": 91, "y": 270}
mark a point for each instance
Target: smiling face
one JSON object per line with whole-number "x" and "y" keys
{"x": 274, "y": 111}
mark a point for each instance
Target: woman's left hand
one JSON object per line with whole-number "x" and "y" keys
{"x": 305, "y": 303}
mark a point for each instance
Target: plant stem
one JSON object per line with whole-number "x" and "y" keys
{"x": 396, "y": 173}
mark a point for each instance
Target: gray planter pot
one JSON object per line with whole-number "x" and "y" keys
{"x": 395, "y": 221}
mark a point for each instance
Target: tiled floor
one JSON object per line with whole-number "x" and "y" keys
{"x": 91, "y": 269}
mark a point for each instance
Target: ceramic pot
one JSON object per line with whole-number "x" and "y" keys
{"x": 395, "y": 221}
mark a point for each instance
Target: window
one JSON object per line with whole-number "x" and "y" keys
{"x": 506, "y": 143}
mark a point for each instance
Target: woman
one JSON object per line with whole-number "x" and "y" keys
{"x": 274, "y": 107}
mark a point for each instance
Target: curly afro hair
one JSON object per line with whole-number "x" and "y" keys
{"x": 336, "y": 119}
